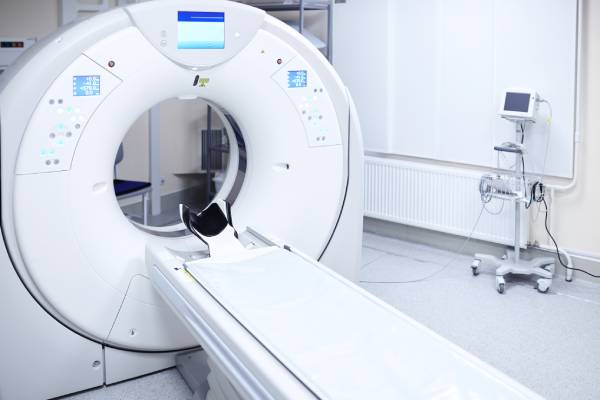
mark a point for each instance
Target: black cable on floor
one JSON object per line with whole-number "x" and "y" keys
{"x": 543, "y": 200}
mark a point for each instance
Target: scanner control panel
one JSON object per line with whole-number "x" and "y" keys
{"x": 61, "y": 116}
{"x": 311, "y": 101}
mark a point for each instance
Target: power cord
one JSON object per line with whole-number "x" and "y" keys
{"x": 556, "y": 246}
{"x": 500, "y": 210}
{"x": 452, "y": 260}
{"x": 538, "y": 195}
{"x": 538, "y": 184}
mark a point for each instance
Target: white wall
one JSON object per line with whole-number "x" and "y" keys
{"x": 576, "y": 213}
{"x": 431, "y": 73}
{"x": 575, "y": 216}
{"x": 361, "y": 56}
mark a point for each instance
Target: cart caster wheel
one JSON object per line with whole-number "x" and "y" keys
{"x": 500, "y": 284}
{"x": 543, "y": 285}
{"x": 500, "y": 288}
{"x": 475, "y": 267}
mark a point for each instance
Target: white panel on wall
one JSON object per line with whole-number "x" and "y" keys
{"x": 361, "y": 54}
{"x": 465, "y": 90}
{"x": 536, "y": 47}
{"x": 412, "y": 96}
{"x": 448, "y": 62}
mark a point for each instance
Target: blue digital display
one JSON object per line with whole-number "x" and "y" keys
{"x": 297, "y": 79}
{"x": 86, "y": 85}
{"x": 200, "y": 30}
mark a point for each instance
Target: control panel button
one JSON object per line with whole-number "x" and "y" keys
{"x": 315, "y": 108}
{"x": 59, "y": 119}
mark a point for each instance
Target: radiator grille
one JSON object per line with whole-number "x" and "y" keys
{"x": 439, "y": 198}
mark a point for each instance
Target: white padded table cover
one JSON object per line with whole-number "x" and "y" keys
{"x": 339, "y": 340}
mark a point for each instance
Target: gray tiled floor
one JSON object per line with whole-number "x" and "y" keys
{"x": 550, "y": 343}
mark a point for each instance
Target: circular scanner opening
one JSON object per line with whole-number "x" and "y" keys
{"x": 180, "y": 151}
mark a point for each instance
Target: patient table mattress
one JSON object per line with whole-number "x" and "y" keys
{"x": 341, "y": 341}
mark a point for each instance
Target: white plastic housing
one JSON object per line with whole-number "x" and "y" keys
{"x": 67, "y": 237}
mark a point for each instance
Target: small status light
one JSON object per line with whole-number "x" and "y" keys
{"x": 111, "y": 63}
{"x": 279, "y": 61}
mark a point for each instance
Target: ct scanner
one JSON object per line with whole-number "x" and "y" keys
{"x": 89, "y": 298}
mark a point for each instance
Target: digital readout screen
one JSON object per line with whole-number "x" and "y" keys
{"x": 200, "y": 30}
{"x": 86, "y": 85}
{"x": 12, "y": 45}
{"x": 518, "y": 102}
{"x": 297, "y": 79}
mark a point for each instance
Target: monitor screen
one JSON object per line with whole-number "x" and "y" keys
{"x": 517, "y": 102}
{"x": 86, "y": 85}
{"x": 200, "y": 30}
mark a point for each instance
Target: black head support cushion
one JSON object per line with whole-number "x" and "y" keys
{"x": 209, "y": 222}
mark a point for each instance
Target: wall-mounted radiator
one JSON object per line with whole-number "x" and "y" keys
{"x": 439, "y": 198}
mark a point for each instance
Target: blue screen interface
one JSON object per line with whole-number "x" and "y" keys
{"x": 86, "y": 85}
{"x": 297, "y": 79}
{"x": 200, "y": 30}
